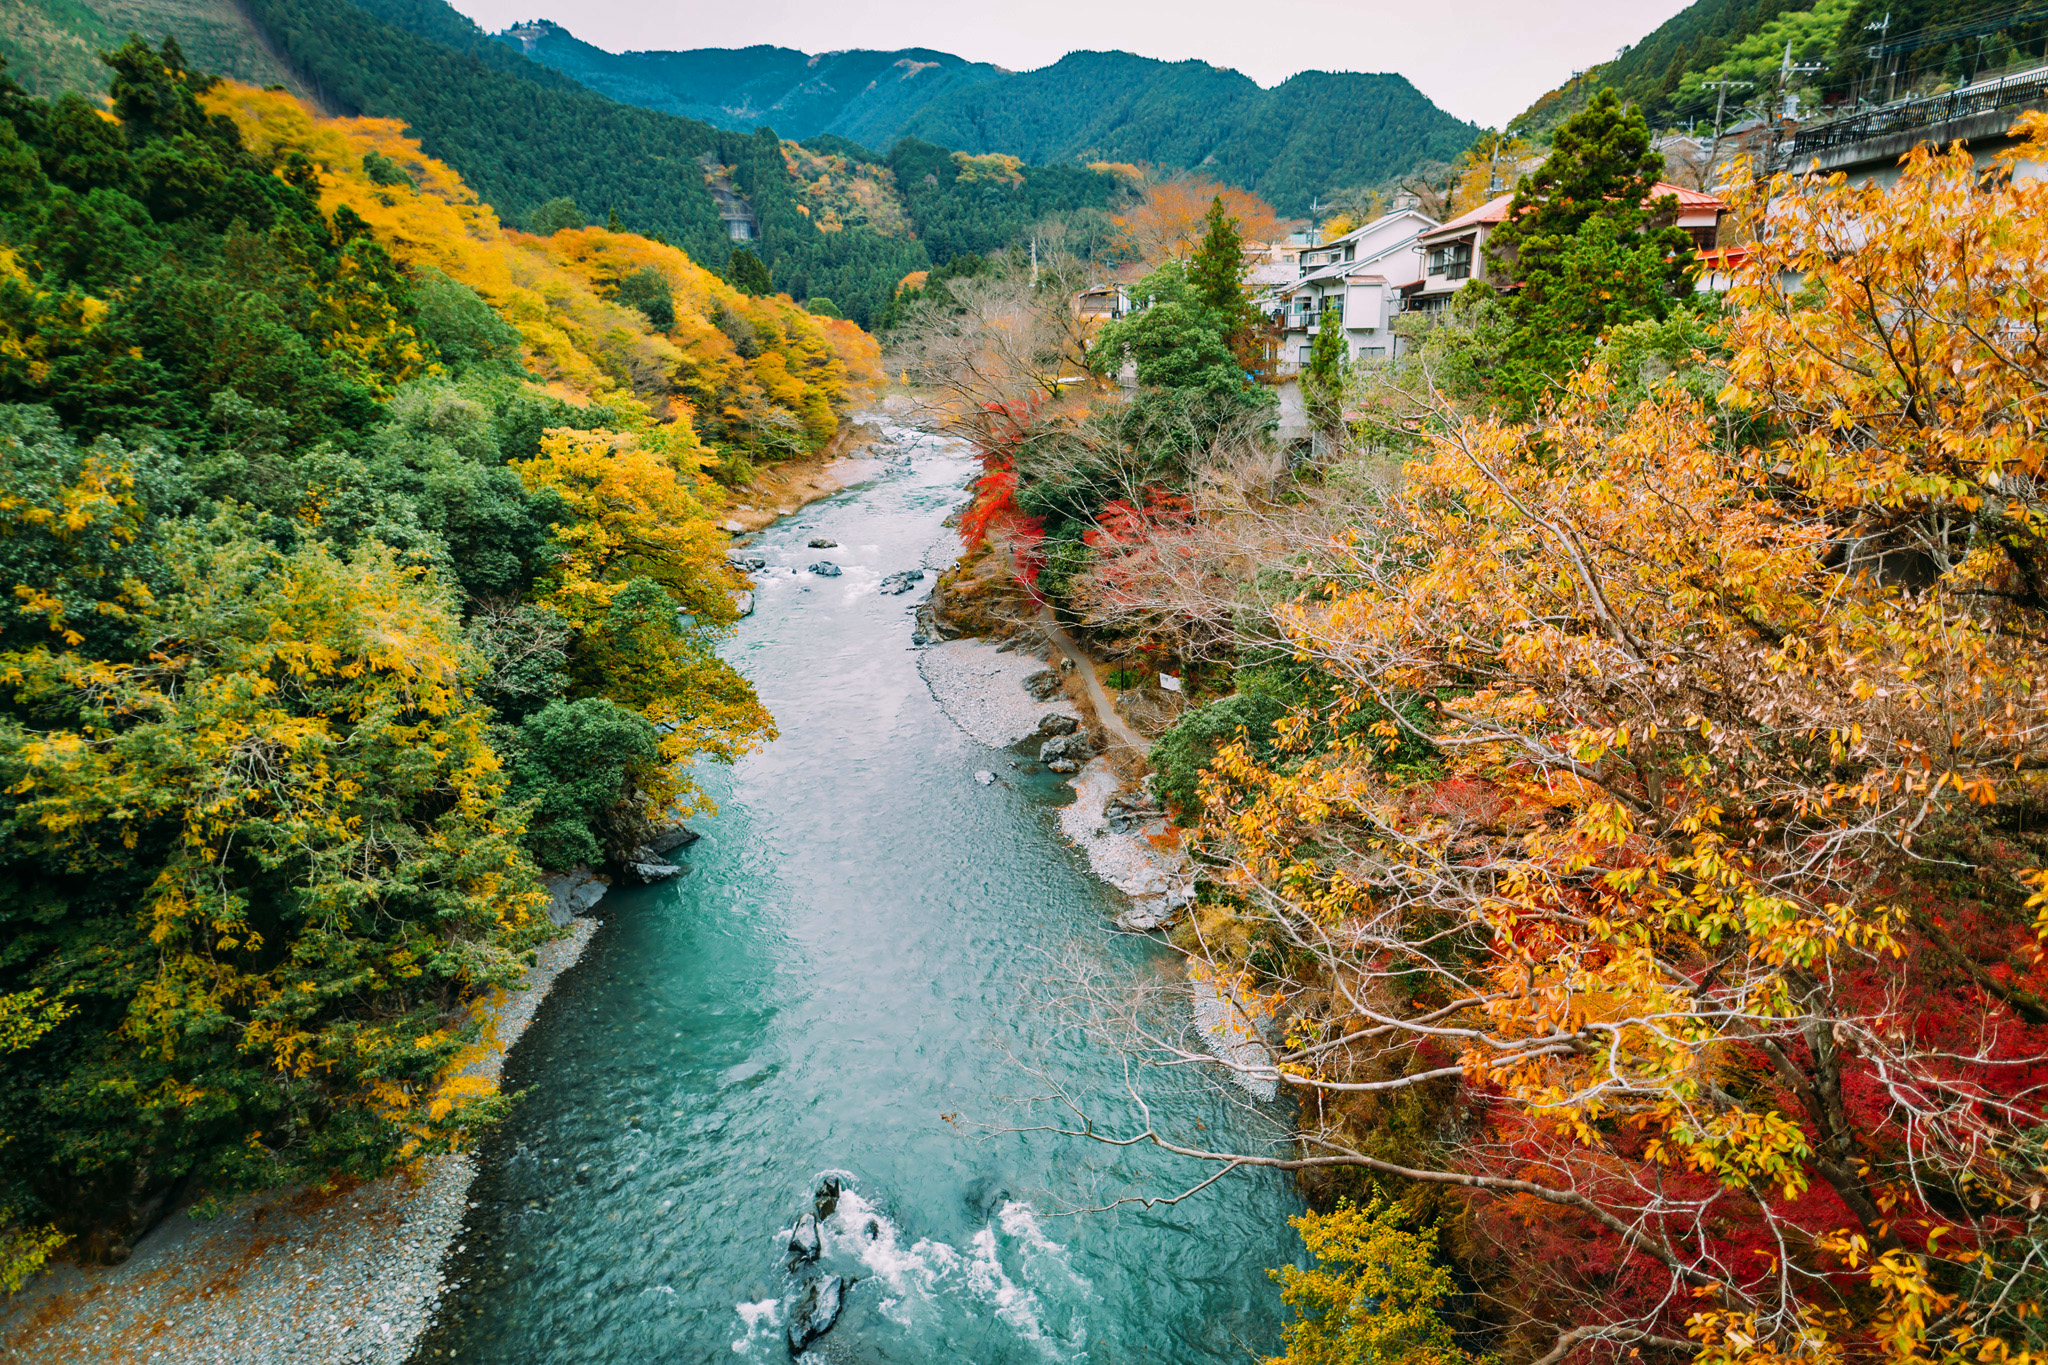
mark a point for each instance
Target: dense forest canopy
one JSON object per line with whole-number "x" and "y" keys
{"x": 1849, "y": 51}
{"x": 1310, "y": 134}
{"x": 863, "y": 95}
{"x": 336, "y": 623}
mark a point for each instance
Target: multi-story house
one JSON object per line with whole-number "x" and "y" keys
{"x": 1454, "y": 253}
{"x": 1353, "y": 282}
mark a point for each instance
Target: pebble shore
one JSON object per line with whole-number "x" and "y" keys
{"x": 1131, "y": 862}
{"x": 291, "y": 1278}
{"x": 982, "y": 689}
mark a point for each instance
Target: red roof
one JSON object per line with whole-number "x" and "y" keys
{"x": 1724, "y": 257}
{"x": 1495, "y": 210}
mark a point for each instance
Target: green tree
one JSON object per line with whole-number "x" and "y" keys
{"x": 648, "y": 290}
{"x": 1216, "y": 270}
{"x": 1582, "y": 249}
{"x": 746, "y": 273}
{"x": 1322, "y": 379}
{"x": 1178, "y": 339}
{"x": 1216, "y": 273}
{"x": 572, "y": 761}
{"x": 555, "y": 215}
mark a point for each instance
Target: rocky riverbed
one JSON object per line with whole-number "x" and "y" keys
{"x": 302, "y": 1277}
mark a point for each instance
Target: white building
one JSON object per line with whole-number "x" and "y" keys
{"x": 1454, "y": 254}
{"x": 1353, "y": 281}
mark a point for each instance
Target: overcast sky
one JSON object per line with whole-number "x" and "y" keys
{"x": 1483, "y": 60}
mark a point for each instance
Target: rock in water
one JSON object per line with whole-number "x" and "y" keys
{"x": 900, "y": 583}
{"x": 823, "y": 544}
{"x": 817, "y": 1308}
{"x": 1054, "y": 723}
{"x": 804, "y": 1243}
{"x": 652, "y": 872}
{"x": 827, "y": 1197}
{"x": 984, "y": 777}
{"x": 1043, "y": 685}
{"x": 671, "y": 838}
{"x": 743, "y": 602}
{"x": 1064, "y": 765}
{"x": 1073, "y": 748}
{"x": 733, "y": 528}
{"x": 825, "y": 568}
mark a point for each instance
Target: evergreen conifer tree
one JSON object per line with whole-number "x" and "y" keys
{"x": 1579, "y": 251}
{"x": 747, "y": 274}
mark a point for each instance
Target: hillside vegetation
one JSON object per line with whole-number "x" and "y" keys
{"x": 1670, "y": 70}
{"x": 53, "y": 46}
{"x": 364, "y": 565}
{"x": 1308, "y": 135}
{"x": 862, "y": 95}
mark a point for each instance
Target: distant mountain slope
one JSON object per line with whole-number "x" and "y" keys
{"x": 1310, "y": 134}
{"x": 1314, "y": 133}
{"x": 52, "y": 46}
{"x": 865, "y": 96}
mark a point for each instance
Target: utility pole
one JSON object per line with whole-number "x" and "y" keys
{"x": 1787, "y": 70}
{"x": 1493, "y": 185}
{"x": 1878, "y": 50}
{"x": 1720, "y": 107}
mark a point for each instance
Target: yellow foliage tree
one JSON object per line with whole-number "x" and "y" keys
{"x": 1721, "y": 894}
{"x": 558, "y": 291}
{"x": 291, "y": 773}
{"x": 636, "y": 550}
{"x": 1371, "y": 1298}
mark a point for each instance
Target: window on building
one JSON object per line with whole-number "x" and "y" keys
{"x": 1453, "y": 262}
{"x": 1301, "y": 358}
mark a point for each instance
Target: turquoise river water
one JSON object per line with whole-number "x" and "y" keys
{"x": 859, "y": 952}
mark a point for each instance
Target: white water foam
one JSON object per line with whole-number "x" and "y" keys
{"x": 911, "y": 1282}
{"x": 767, "y": 1314}
{"x": 1019, "y": 1220}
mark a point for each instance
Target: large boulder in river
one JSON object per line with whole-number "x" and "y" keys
{"x": 1076, "y": 748}
{"x": 1043, "y": 685}
{"x": 669, "y": 838}
{"x": 814, "y": 1312}
{"x": 897, "y": 584}
{"x": 823, "y": 544}
{"x": 648, "y": 871}
{"x": 826, "y": 1200}
{"x": 804, "y": 1241}
{"x": 825, "y": 568}
{"x": 1057, "y": 723}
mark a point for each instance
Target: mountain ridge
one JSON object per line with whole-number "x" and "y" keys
{"x": 1312, "y": 133}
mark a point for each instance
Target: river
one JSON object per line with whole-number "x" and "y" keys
{"x": 845, "y": 983}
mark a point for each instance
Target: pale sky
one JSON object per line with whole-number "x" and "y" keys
{"x": 1483, "y": 60}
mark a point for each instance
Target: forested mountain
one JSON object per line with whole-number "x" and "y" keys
{"x": 865, "y": 96}
{"x": 1857, "y": 49}
{"x": 1310, "y": 134}
{"x": 52, "y": 46}
{"x": 522, "y": 134}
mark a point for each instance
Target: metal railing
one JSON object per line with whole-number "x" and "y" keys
{"x": 2011, "y": 92}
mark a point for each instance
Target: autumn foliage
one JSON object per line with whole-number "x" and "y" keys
{"x": 363, "y": 562}
{"x": 1699, "y": 977}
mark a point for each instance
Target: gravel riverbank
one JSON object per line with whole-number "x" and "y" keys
{"x": 292, "y": 1278}
{"x": 982, "y": 689}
